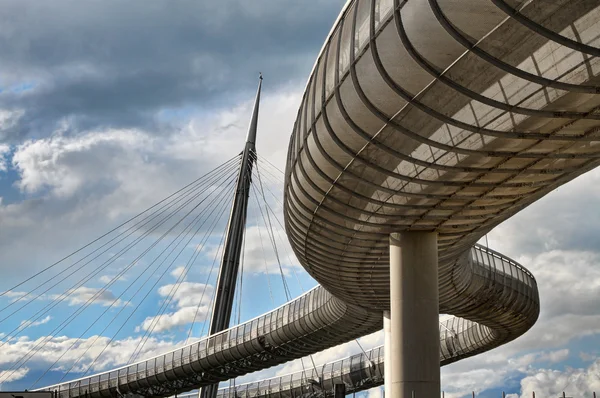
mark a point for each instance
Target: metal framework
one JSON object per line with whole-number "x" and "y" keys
{"x": 228, "y": 272}
{"x": 459, "y": 338}
{"x": 313, "y": 322}
{"x": 418, "y": 115}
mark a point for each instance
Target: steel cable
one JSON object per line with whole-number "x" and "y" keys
{"x": 131, "y": 231}
{"x": 190, "y": 226}
{"x": 37, "y": 347}
{"x": 109, "y": 232}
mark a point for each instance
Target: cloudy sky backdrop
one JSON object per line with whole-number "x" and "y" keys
{"x": 107, "y": 107}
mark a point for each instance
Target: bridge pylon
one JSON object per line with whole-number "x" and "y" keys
{"x": 232, "y": 251}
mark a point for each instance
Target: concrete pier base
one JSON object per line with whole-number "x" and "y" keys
{"x": 414, "y": 310}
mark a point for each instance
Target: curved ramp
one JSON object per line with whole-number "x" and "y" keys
{"x": 313, "y": 322}
{"x": 418, "y": 115}
{"x": 459, "y": 338}
{"x": 405, "y": 126}
{"x": 442, "y": 116}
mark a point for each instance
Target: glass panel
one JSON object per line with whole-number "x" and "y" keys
{"x": 346, "y": 42}
{"x": 319, "y": 86}
{"x": 286, "y": 313}
{"x": 330, "y": 74}
{"x": 310, "y": 105}
{"x": 301, "y": 132}
{"x": 383, "y": 10}
{"x": 168, "y": 357}
{"x": 254, "y": 328}
{"x": 362, "y": 25}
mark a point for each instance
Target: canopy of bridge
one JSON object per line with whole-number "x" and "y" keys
{"x": 419, "y": 115}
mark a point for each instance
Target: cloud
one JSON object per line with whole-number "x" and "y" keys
{"x": 191, "y": 301}
{"x": 574, "y": 382}
{"x": 260, "y": 256}
{"x": 555, "y": 239}
{"x": 333, "y": 353}
{"x": 83, "y": 294}
{"x": 60, "y": 163}
{"x": 564, "y": 220}
{"x": 4, "y": 150}
{"x": 109, "y": 278}
{"x": 77, "y": 185}
{"x": 375, "y": 393}
{"x": 8, "y": 376}
{"x": 178, "y": 272}
{"x": 132, "y": 65}
{"x": 36, "y": 323}
{"x": 84, "y": 350}
{"x": 107, "y": 107}
{"x": 554, "y": 356}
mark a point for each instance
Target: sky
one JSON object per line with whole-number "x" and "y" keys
{"x": 107, "y": 107}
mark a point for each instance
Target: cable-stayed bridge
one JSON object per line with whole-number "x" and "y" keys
{"x": 423, "y": 126}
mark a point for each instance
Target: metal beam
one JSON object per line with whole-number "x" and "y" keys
{"x": 230, "y": 262}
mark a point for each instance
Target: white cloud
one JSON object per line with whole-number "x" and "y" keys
{"x": 554, "y": 356}
{"x": 375, "y": 393}
{"x": 552, "y": 383}
{"x": 76, "y": 185}
{"x": 4, "y": 150}
{"x": 109, "y": 278}
{"x": 116, "y": 354}
{"x": 7, "y": 377}
{"x": 83, "y": 294}
{"x": 333, "y": 353}
{"x": 14, "y": 294}
{"x": 190, "y": 303}
{"x": 178, "y": 272}
{"x": 259, "y": 254}
{"x": 64, "y": 165}
{"x": 37, "y": 323}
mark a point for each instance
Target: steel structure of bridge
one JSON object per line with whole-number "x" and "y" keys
{"x": 423, "y": 126}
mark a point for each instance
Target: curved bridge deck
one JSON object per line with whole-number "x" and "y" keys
{"x": 308, "y": 324}
{"x": 418, "y": 115}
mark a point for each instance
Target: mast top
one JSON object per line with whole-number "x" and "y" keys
{"x": 251, "y": 137}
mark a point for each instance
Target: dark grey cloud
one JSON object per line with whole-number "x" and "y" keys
{"x": 113, "y": 63}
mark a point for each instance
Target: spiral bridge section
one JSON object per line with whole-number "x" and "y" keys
{"x": 313, "y": 322}
{"x": 440, "y": 116}
{"x": 435, "y": 116}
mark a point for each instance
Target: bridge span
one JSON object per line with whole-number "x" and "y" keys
{"x": 313, "y": 322}
{"x": 428, "y": 122}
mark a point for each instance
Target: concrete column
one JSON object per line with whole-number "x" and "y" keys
{"x": 414, "y": 309}
{"x": 387, "y": 354}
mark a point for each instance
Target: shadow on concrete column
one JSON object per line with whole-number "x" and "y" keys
{"x": 414, "y": 310}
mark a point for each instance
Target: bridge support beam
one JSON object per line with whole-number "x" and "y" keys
{"x": 414, "y": 310}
